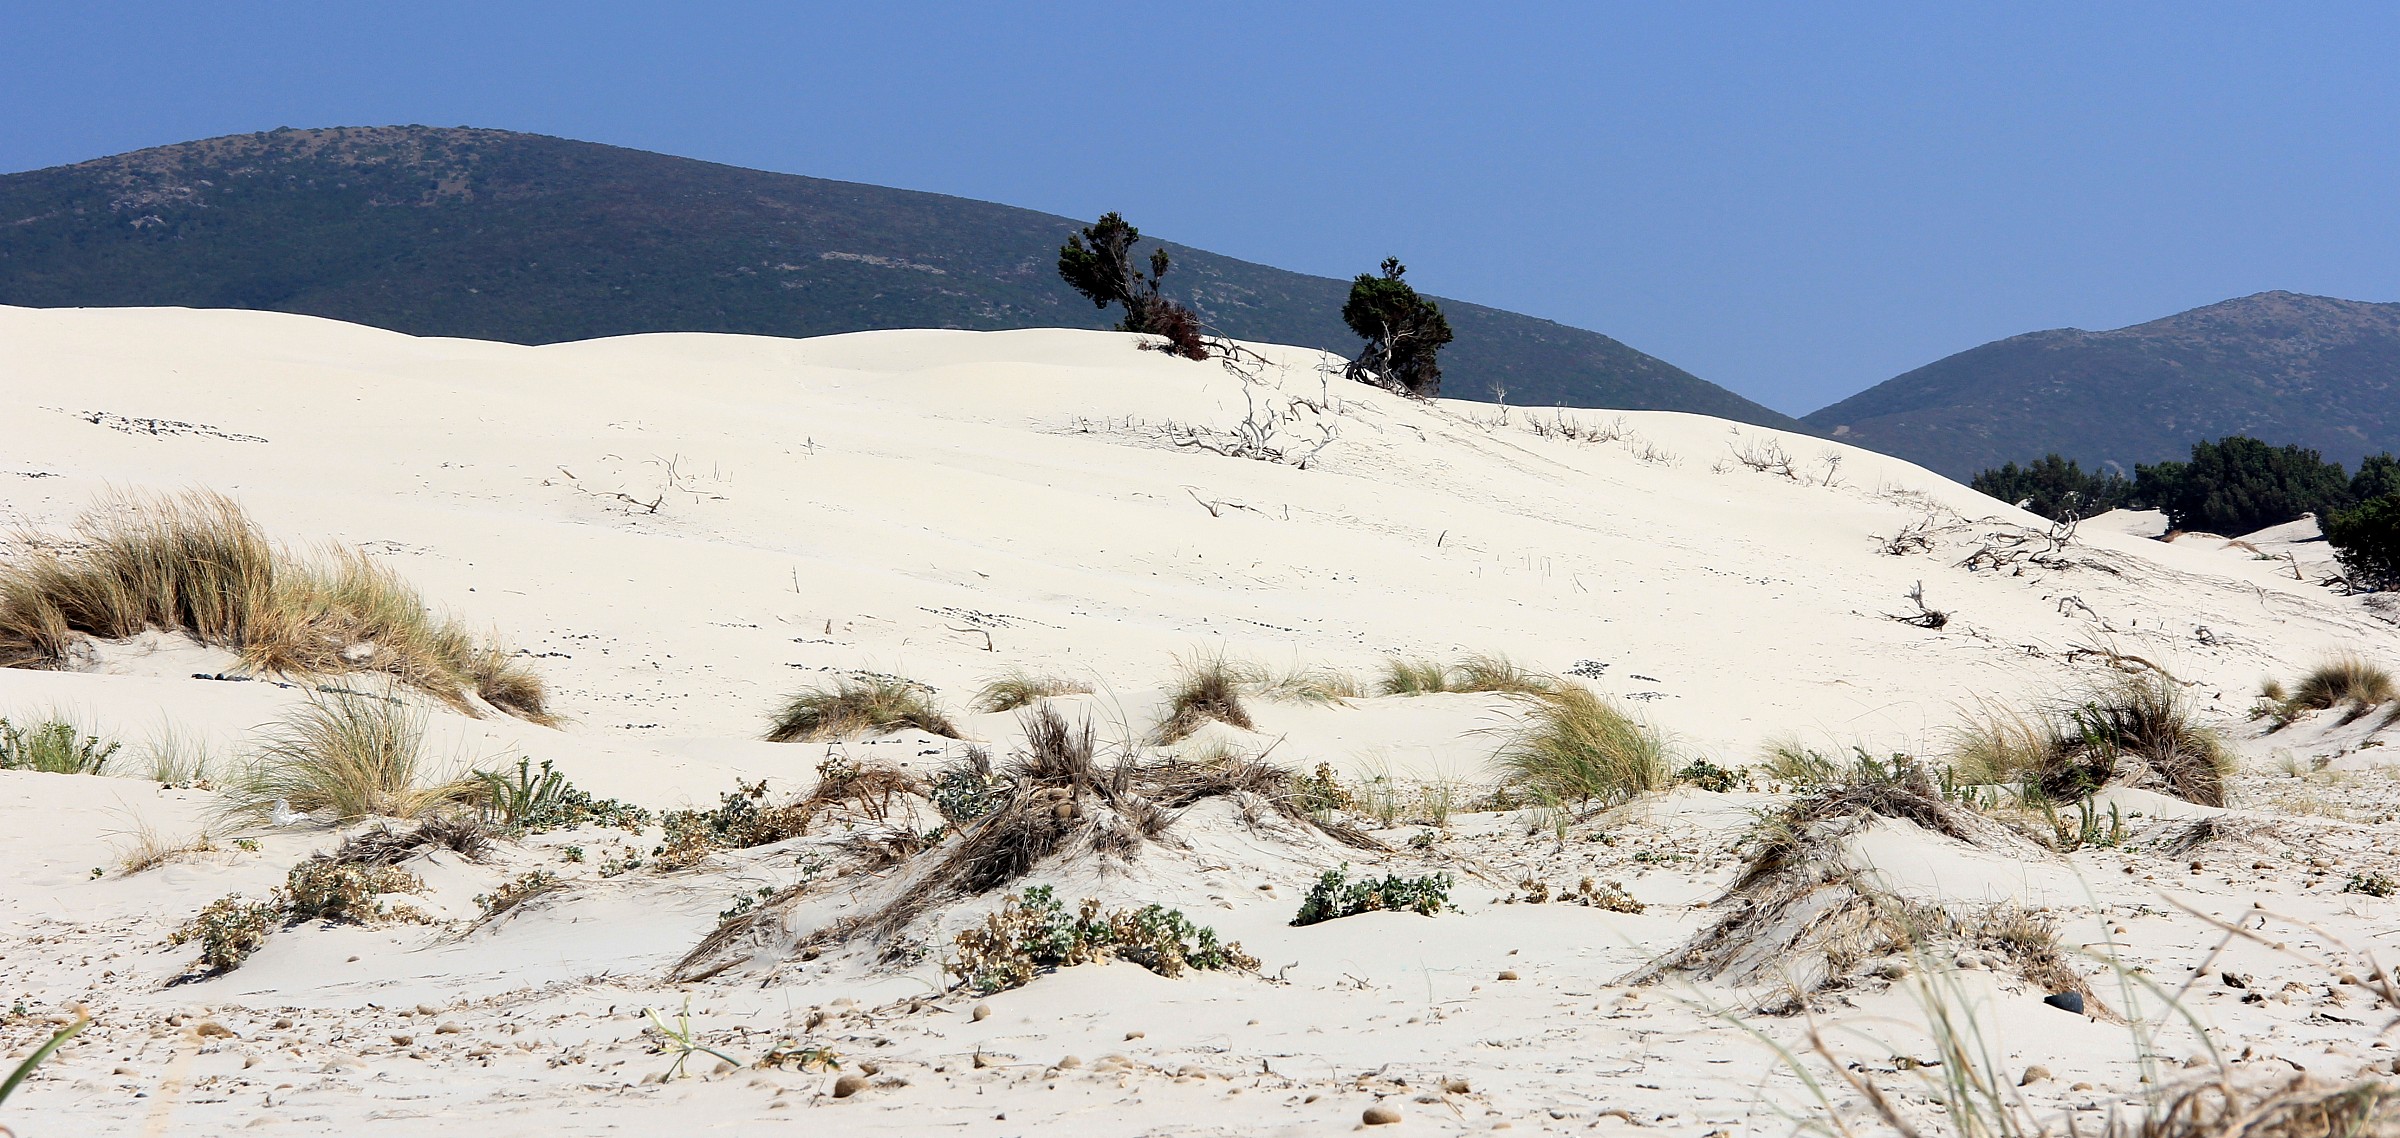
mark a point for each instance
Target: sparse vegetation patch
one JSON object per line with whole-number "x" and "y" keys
{"x": 1335, "y": 896}
{"x": 1033, "y": 932}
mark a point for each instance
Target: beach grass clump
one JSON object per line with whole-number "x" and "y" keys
{"x": 1019, "y": 688}
{"x": 1335, "y": 895}
{"x": 53, "y": 746}
{"x": 2347, "y": 680}
{"x": 1573, "y": 748}
{"x": 854, "y": 706}
{"x": 1307, "y": 684}
{"x": 1208, "y": 687}
{"x": 1405, "y": 676}
{"x": 346, "y": 756}
{"x": 197, "y": 564}
{"x": 1480, "y": 672}
{"x": 1032, "y": 932}
{"x": 2136, "y": 730}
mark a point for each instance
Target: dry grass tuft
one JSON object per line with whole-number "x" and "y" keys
{"x": 462, "y": 834}
{"x": 2138, "y": 731}
{"x": 1573, "y": 748}
{"x": 1207, "y": 687}
{"x": 348, "y": 756}
{"x": 2346, "y": 680}
{"x": 196, "y": 564}
{"x": 1019, "y": 688}
{"x": 1303, "y": 684}
{"x": 875, "y": 705}
{"x": 1413, "y": 677}
{"x": 1482, "y": 672}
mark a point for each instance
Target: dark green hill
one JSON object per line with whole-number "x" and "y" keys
{"x": 503, "y": 236}
{"x": 2277, "y": 366}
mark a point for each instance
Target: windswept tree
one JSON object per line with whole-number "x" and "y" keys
{"x": 1403, "y": 331}
{"x": 1099, "y": 263}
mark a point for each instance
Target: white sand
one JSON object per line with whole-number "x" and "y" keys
{"x": 685, "y": 528}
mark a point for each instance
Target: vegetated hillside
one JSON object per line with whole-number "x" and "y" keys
{"x": 2278, "y": 366}
{"x": 530, "y": 239}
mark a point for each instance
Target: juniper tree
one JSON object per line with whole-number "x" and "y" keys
{"x": 1404, "y": 332}
{"x": 1099, "y": 263}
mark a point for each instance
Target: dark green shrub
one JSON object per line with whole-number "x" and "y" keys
{"x": 1404, "y": 333}
{"x": 1099, "y": 263}
{"x": 2367, "y": 542}
{"x": 2056, "y": 487}
{"x": 1335, "y": 896}
{"x": 2239, "y": 484}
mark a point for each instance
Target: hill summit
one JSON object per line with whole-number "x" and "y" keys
{"x": 525, "y": 238}
{"x": 2281, "y": 366}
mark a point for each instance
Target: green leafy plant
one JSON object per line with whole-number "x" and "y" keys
{"x": 2373, "y": 883}
{"x": 525, "y": 887}
{"x": 1711, "y": 777}
{"x": 681, "y": 1041}
{"x": 324, "y": 889}
{"x": 1033, "y": 931}
{"x": 53, "y": 747}
{"x": 531, "y": 802}
{"x": 1335, "y": 896}
{"x": 228, "y": 930}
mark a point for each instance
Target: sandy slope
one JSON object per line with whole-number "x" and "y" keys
{"x": 683, "y": 528}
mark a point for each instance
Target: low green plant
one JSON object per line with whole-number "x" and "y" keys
{"x": 228, "y": 930}
{"x": 509, "y": 895}
{"x": 1321, "y": 793}
{"x": 681, "y": 1041}
{"x": 1710, "y": 777}
{"x": 742, "y": 819}
{"x": 966, "y": 790}
{"x": 531, "y": 802}
{"x": 1033, "y": 931}
{"x": 53, "y": 746}
{"x": 1335, "y": 896}
{"x": 324, "y": 889}
{"x": 2374, "y": 883}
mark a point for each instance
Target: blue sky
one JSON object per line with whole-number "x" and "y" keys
{"x": 1796, "y": 201}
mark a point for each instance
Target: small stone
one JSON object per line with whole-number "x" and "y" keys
{"x": 1455, "y": 1086}
{"x": 1132, "y": 1035}
{"x": 282, "y": 1023}
{"x": 1380, "y": 1115}
{"x": 2080, "y": 1087}
{"x": 723, "y": 1067}
{"x": 982, "y": 1060}
{"x": 211, "y": 1029}
{"x": 981, "y": 1013}
{"x": 849, "y": 1085}
{"x": 1510, "y": 974}
{"x": 2191, "y": 1061}
{"x": 2065, "y": 1001}
{"x": 2034, "y": 1074}
{"x": 870, "y": 1067}
{"x": 1069, "y": 1063}
{"x": 448, "y": 1029}
{"x": 403, "y": 1040}
{"x": 427, "y": 1009}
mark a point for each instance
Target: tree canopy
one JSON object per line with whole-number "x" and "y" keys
{"x": 1404, "y": 332}
{"x": 2056, "y": 487}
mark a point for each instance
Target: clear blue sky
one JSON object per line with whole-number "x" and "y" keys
{"x": 1793, "y": 200}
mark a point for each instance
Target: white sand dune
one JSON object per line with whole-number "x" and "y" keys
{"x": 681, "y": 529}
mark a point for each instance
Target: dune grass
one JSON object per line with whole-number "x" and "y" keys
{"x": 2345, "y": 680}
{"x": 1208, "y": 686}
{"x": 347, "y": 756}
{"x": 872, "y": 705}
{"x": 1573, "y": 748}
{"x": 197, "y": 564}
{"x": 2132, "y": 729}
{"x": 1306, "y": 684}
{"x": 1481, "y": 672}
{"x": 1019, "y": 688}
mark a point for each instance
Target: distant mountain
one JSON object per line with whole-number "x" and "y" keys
{"x": 2277, "y": 366}
{"x": 504, "y": 236}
